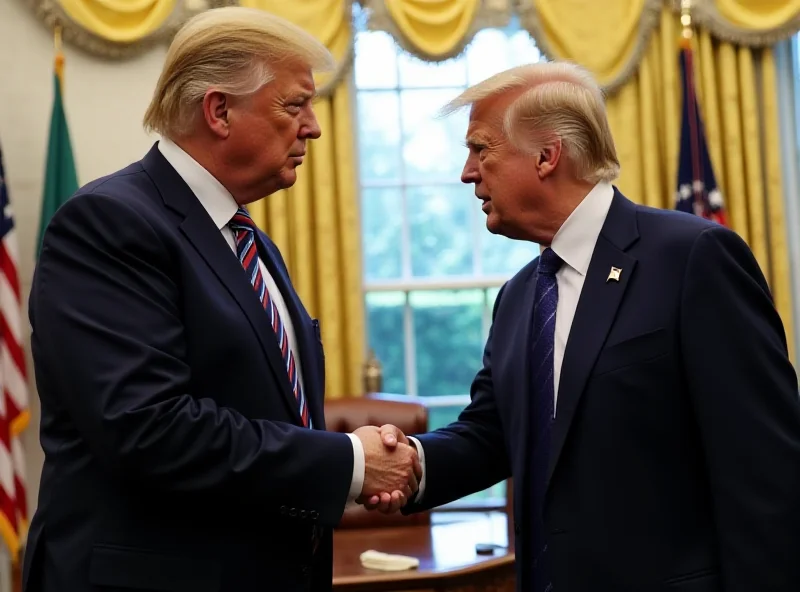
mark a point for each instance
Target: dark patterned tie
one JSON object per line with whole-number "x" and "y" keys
{"x": 544, "y": 324}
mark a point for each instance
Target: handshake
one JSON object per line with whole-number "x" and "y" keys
{"x": 392, "y": 471}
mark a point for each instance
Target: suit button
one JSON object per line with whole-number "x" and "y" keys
{"x": 283, "y": 510}
{"x": 303, "y": 514}
{"x": 293, "y": 512}
{"x": 306, "y": 571}
{"x": 314, "y": 514}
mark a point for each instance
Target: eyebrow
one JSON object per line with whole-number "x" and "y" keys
{"x": 476, "y": 138}
{"x": 303, "y": 94}
{"x": 307, "y": 93}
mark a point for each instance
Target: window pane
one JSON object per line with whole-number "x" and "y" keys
{"x": 433, "y": 146}
{"x": 448, "y": 339}
{"x": 379, "y": 135}
{"x": 441, "y": 233}
{"x": 503, "y": 256}
{"x": 416, "y": 73}
{"x": 491, "y": 297}
{"x": 385, "y": 326}
{"x": 376, "y": 60}
{"x": 496, "y": 492}
{"x": 381, "y": 221}
{"x": 487, "y": 55}
{"x": 523, "y": 49}
{"x": 439, "y": 417}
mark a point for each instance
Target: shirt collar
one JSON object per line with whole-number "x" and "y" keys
{"x": 575, "y": 240}
{"x": 212, "y": 195}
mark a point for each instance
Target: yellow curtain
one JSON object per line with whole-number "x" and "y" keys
{"x": 434, "y": 27}
{"x": 738, "y": 99}
{"x": 316, "y": 223}
{"x": 758, "y": 14}
{"x": 121, "y": 21}
{"x": 606, "y": 37}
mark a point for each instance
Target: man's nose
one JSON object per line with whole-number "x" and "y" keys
{"x": 470, "y": 174}
{"x": 310, "y": 128}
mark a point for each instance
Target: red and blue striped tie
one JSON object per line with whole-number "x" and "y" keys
{"x": 244, "y": 230}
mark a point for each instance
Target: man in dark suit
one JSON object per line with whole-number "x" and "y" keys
{"x": 181, "y": 378}
{"x": 635, "y": 383}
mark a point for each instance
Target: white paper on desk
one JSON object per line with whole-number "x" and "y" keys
{"x": 384, "y": 562}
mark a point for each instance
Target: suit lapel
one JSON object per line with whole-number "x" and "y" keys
{"x": 206, "y": 238}
{"x": 524, "y": 389}
{"x": 597, "y": 307}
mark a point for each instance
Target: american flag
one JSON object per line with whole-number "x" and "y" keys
{"x": 14, "y": 412}
{"x": 697, "y": 191}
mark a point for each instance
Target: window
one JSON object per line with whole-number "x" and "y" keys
{"x": 431, "y": 269}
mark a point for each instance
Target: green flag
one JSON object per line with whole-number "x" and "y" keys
{"x": 60, "y": 180}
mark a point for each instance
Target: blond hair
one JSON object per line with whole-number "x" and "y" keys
{"x": 558, "y": 100}
{"x": 228, "y": 49}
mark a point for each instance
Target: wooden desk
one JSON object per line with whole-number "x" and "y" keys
{"x": 446, "y": 552}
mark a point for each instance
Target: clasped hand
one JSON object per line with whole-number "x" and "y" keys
{"x": 392, "y": 468}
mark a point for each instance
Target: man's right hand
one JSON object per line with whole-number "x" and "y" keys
{"x": 388, "y": 468}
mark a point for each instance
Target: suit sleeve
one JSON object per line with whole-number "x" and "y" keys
{"x": 469, "y": 455}
{"x": 109, "y": 339}
{"x": 745, "y": 394}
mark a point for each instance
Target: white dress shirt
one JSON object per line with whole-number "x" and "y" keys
{"x": 574, "y": 243}
{"x": 221, "y": 206}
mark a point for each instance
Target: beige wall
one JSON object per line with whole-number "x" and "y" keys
{"x": 105, "y": 101}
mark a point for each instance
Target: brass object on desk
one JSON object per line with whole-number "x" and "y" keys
{"x": 373, "y": 374}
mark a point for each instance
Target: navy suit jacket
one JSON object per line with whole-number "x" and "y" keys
{"x": 175, "y": 457}
{"x": 675, "y": 456}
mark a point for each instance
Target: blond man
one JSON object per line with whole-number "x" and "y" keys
{"x": 635, "y": 383}
{"x": 181, "y": 378}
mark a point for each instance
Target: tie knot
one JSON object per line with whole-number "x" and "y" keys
{"x": 549, "y": 262}
{"x": 242, "y": 219}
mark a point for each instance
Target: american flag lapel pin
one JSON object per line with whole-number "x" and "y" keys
{"x": 614, "y": 274}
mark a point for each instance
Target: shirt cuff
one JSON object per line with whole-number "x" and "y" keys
{"x": 421, "y": 455}
{"x": 357, "y": 481}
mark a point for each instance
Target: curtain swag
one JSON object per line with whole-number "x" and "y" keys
{"x": 607, "y": 37}
{"x": 750, "y": 23}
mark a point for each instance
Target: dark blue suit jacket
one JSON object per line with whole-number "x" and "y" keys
{"x": 175, "y": 459}
{"x": 675, "y": 460}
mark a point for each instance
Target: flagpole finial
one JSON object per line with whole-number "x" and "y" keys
{"x": 57, "y": 41}
{"x": 58, "y": 60}
{"x": 686, "y": 20}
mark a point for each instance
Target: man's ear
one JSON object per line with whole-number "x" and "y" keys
{"x": 548, "y": 157}
{"x": 215, "y": 113}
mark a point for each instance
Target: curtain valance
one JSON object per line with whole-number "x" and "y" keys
{"x": 607, "y": 36}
